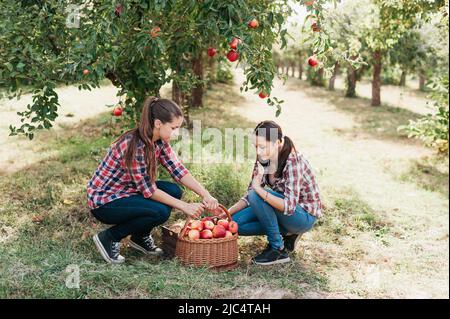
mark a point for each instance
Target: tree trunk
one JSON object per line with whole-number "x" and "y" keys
{"x": 293, "y": 70}
{"x": 403, "y": 79}
{"x": 351, "y": 82}
{"x": 333, "y": 77}
{"x": 197, "y": 92}
{"x": 287, "y": 69}
{"x": 300, "y": 70}
{"x": 360, "y": 72}
{"x": 376, "y": 81}
{"x": 422, "y": 81}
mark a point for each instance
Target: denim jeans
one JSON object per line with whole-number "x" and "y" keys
{"x": 136, "y": 215}
{"x": 259, "y": 218}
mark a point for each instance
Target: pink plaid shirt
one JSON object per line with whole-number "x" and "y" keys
{"x": 297, "y": 184}
{"x": 112, "y": 180}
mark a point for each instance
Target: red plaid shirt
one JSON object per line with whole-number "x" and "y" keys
{"x": 112, "y": 180}
{"x": 298, "y": 185}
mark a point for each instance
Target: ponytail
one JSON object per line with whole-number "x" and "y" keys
{"x": 267, "y": 129}
{"x": 153, "y": 109}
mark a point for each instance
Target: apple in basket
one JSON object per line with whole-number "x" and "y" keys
{"x": 228, "y": 234}
{"x": 208, "y": 225}
{"x": 197, "y": 224}
{"x": 206, "y": 234}
{"x": 219, "y": 231}
{"x": 223, "y": 222}
{"x": 194, "y": 234}
{"x": 233, "y": 227}
{"x": 204, "y": 219}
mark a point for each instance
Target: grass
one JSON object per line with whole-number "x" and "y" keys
{"x": 45, "y": 226}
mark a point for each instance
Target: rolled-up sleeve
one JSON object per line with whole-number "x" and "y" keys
{"x": 293, "y": 174}
{"x": 170, "y": 161}
{"x": 140, "y": 176}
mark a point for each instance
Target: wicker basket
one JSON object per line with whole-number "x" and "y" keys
{"x": 218, "y": 253}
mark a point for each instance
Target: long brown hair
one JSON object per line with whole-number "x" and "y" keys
{"x": 265, "y": 129}
{"x": 153, "y": 109}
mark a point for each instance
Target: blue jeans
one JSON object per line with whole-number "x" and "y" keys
{"x": 262, "y": 219}
{"x": 136, "y": 215}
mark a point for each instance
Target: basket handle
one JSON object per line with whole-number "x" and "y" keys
{"x": 183, "y": 231}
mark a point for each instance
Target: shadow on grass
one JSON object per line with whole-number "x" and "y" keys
{"x": 429, "y": 174}
{"x": 45, "y": 226}
{"x": 378, "y": 122}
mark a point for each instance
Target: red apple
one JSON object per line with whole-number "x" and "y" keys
{"x": 234, "y": 43}
{"x": 312, "y": 61}
{"x": 232, "y": 56}
{"x": 233, "y": 227}
{"x": 219, "y": 231}
{"x": 197, "y": 224}
{"x": 155, "y": 32}
{"x": 208, "y": 225}
{"x": 223, "y": 222}
{"x": 211, "y": 52}
{"x": 315, "y": 27}
{"x": 309, "y": 3}
{"x": 228, "y": 234}
{"x": 194, "y": 234}
{"x": 263, "y": 95}
{"x": 117, "y": 111}
{"x": 204, "y": 219}
{"x": 85, "y": 72}
{"x": 253, "y": 24}
{"x": 206, "y": 234}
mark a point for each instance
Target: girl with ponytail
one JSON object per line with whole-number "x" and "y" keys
{"x": 282, "y": 200}
{"x": 124, "y": 190}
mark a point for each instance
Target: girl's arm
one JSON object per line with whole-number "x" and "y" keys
{"x": 193, "y": 210}
{"x": 208, "y": 201}
{"x": 272, "y": 200}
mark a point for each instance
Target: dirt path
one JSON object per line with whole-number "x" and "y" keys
{"x": 412, "y": 260}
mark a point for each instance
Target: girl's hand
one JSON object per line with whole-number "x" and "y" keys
{"x": 210, "y": 203}
{"x": 257, "y": 180}
{"x": 193, "y": 210}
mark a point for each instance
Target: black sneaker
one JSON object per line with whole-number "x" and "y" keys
{"x": 290, "y": 241}
{"x": 109, "y": 249}
{"x": 271, "y": 256}
{"x": 145, "y": 244}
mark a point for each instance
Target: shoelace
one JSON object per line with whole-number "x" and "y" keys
{"x": 115, "y": 249}
{"x": 149, "y": 241}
